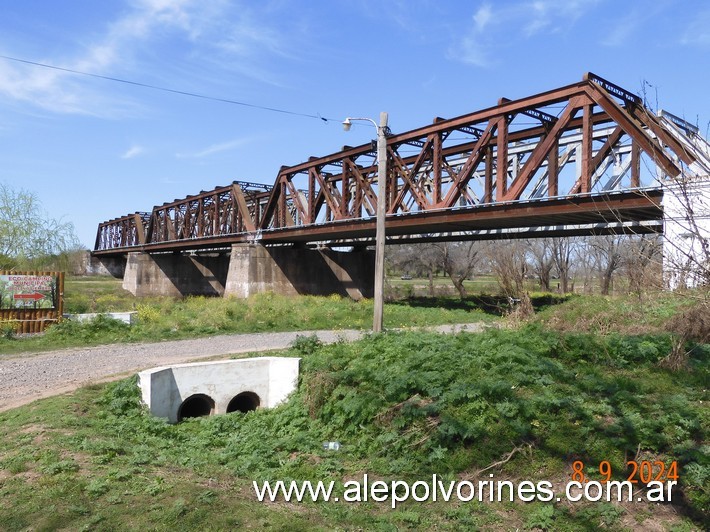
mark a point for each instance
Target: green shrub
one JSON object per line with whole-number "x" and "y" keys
{"x": 7, "y": 330}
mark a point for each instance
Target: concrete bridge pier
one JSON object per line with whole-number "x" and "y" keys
{"x": 291, "y": 270}
{"x": 251, "y": 269}
{"x": 176, "y": 274}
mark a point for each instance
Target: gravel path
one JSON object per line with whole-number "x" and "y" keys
{"x": 26, "y": 378}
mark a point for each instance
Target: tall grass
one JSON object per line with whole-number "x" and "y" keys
{"x": 402, "y": 405}
{"x": 203, "y": 316}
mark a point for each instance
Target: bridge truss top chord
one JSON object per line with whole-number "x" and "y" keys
{"x": 584, "y": 158}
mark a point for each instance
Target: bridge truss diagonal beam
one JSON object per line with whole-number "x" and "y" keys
{"x": 590, "y": 138}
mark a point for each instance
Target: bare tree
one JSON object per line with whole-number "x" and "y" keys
{"x": 509, "y": 262}
{"x": 422, "y": 260}
{"x": 543, "y": 260}
{"x": 642, "y": 258}
{"x": 608, "y": 258}
{"x": 687, "y": 231}
{"x": 458, "y": 260}
{"x": 563, "y": 251}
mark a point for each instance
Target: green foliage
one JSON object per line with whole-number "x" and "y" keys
{"x": 306, "y": 345}
{"x": 100, "y": 329}
{"x": 28, "y": 237}
{"x": 403, "y": 405}
{"x": 168, "y": 318}
{"x": 476, "y": 392}
{"x": 63, "y": 466}
{"x": 7, "y": 330}
{"x": 541, "y": 517}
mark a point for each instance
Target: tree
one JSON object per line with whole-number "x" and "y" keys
{"x": 416, "y": 259}
{"x": 687, "y": 231}
{"x": 541, "y": 251}
{"x": 606, "y": 251}
{"x": 28, "y": 237}
{"x": 509, "y": 262}
{"x": 642, "y": 258}
{"x": 458, "y": 260}
{"x": 563, "y": 250}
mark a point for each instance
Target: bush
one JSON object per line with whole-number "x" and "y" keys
{"x": 7, "y": 330}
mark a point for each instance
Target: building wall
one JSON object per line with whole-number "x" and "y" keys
{"x": 686, "y": 230}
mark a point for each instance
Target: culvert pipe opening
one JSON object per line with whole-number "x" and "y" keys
{"x": 197, "y": 405}
{"x": 244, "y": 402}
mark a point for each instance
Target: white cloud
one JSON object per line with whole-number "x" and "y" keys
{"x": 133, "y": 151}
{"x": 483, "y": 17}
{"x": 64, "y": 92}
{"x": 698, "y": 31}
{"x": 215, "y": 148}
{"x": 516, "y": 21}
{"x": 215, "y": 31}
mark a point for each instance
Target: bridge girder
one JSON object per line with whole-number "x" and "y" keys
{"x": 557, "y": 145}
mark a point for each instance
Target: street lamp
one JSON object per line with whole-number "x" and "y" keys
{"x": 381, "y": 210}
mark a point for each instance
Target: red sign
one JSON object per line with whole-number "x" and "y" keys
{"x": 34, "y": 297}
{"x": 23, "y": 291}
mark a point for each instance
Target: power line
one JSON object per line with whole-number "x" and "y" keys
{"x": 165, "y": 89}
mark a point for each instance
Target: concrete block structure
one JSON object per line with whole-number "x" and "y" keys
{"x": 175, "y": 274}
{"x": 291, "y": 271}
{"x": 249, "y": 269}
{"x": 207, "y": 388}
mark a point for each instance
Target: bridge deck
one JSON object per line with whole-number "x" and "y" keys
{"x": 630, "y": 211}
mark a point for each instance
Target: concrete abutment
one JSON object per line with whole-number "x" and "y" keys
{"x": 250, "y": 269}
{"x": 175, "y": 274}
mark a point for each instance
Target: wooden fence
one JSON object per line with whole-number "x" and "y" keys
{"x": 30, "y": 301}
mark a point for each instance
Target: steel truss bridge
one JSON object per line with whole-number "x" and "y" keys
{"x": 587, "y": 158}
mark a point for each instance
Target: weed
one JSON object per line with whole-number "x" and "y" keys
{"x": 403, "y": 405}
{"x": 306, "y": 345}
{"x": 541, "y": 517}
{"x": 7, "y": 330}
{"x": 63, "y": 466}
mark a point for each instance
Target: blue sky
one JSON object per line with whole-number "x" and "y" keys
{"x": 93, "y": 149}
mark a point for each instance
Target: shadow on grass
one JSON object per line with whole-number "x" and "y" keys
{"x": 490, "y": 304}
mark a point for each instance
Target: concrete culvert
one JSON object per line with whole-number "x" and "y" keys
{"x": 197, "y": 405}
{"x": 244, "y": 402}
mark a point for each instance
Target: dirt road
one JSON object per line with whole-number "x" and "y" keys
{"x": 26, "y": 378}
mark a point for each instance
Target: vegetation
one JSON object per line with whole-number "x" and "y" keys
{"x": 589, "y": 378}
{"x": 451, "y": 405}
{"x": 168, "y": 318}
{"x": 29, "y": 238}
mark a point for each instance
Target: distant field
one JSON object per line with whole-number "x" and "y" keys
{"x": 96, "y": 294}
{"x": 173, "y": 318}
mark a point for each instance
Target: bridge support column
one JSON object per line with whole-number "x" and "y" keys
{"x": 290, "y": 271}
{"x": 175, "y": 274}
{"x": 90, "y": 265}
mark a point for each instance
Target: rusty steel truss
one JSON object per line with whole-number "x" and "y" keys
{"x": 584, "y": 158}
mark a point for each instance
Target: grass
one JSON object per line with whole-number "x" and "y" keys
{"x": 605, "y": 314}
{"x": 580, "y": 381}
{"x": 169, "y": 318}
{"x": 450, "y": 405}
{"x": 96, "y": 294}
{"x": 172, "y": 319}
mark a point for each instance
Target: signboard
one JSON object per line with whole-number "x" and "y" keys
{"x": 28, "y": 292}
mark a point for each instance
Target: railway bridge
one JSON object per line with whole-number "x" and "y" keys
{"x": 586, "y": 158}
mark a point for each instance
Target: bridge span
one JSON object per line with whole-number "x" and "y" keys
{"x": 587, "y": 158}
